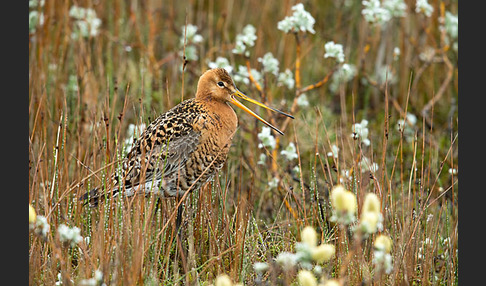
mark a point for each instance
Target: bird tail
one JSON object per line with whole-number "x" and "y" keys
{"x": 95, "y": 196}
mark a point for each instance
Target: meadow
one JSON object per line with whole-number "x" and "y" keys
{"x": 373, "y": 87}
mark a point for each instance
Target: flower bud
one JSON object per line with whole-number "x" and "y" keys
{"x": 343, "y": 200}
{"x": 323, "y": 253}
{"x": 223, "y": 280}
{"x": 332, "y": 282}
{"x": 371, "y": 203}
{"x": 309, "y": 236}
{"x": 383, "y": 242}
{"x": 369, "y": 222}
{"x": 306, "y": 278}
{"x": 32, "y": 215}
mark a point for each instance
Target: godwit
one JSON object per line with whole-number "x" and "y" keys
{"x": 183, "y": 148}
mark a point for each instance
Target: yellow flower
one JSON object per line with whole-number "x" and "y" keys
{"x": 383, "y": 242}
{"x": 332, "y": 282}
{"x": 343, "y": 200}
{"x": 32, "y": 215}
{"x": 371, "y": 218}
{"x": 323, "y": 253}
{"x": 223, "y": 280}
{"x": 371, "y": 203}
{"x": 309, "y": 236}
{"x": 369, "y": 221}
{"x": 306, "y": 278}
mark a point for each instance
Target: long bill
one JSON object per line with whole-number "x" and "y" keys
{"x": 240, "y": 105}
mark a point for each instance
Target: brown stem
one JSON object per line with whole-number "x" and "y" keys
{"x": 252, "y": 79}
{"x": 297, "y": 62}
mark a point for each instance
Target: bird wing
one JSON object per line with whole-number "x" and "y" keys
{"x": 163, "y": 147}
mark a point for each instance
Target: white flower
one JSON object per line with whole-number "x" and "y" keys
{"x": 41, "y": 227}
{"x": 410, "y": 120}
{"x": 77, "y": 12}
{"x": 296, "y": 170}
{"x": 396, "y": 8}
{"x": 260, "y": 267}
{"x": 290, "y": 152}
{"x": 361, "y": 131}
{"x": 452, "y": 171}
{"x": 382, "y": 259}
{"x": 190, "y": 53}
{"x": 300, "y": 20}
{"x": 396, "y": 53}
{"x": 69, "y": 235}
{"x": 72, "y": 84}
{"x": 374, "y": 13}
{"x": 95, "y": 281}
{"x": 239, "y": 48}
{"x": 221, "y": 62}
{"x": 423, "y": 7}
{"x": 242, "y": 75}
{"x": 87, "y": 23}
{"x": 367, "y": 165}
{"x": 428, "y": 54}
{"x": 191, "y": 36}
{"x": 334, "y": 151}
{"x": 286, "y": 78}
{"x": 273, "y": 183}
{"x": 286, "y": 260}
{"x": 35, "y": 19}
{"x": 317, "y": 270}
{"x": 384, "y": 74}
{"x": 303, "y": 252}
{"x": 378, "y": 13}
{"x": 345, "y": 73}
{"x": 270, "y": 64}
{"x": 345, "y": 175}
{"x": 302, "y": 100}
{"x": 267, "y": 139}
{"x": 245, "y": 40}
{"x": 334, "y": 51}
{"x": 451, "y": 25}
{"x": 261, "y": 159}
{"x": 59, "y": 279}
{"x": 34, "y": 3}
{"x": 98, "y": 275}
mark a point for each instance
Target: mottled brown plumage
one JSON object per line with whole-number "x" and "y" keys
{"x": 184, "y": 147}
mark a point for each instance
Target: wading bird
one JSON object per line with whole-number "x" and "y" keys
{"x": 183, "y": 148}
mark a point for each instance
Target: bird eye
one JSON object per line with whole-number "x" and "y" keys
{"x": 221, "y": 84}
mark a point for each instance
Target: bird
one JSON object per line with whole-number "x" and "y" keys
{"x": 186, "y": 146}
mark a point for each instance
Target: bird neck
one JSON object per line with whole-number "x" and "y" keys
{"x": 223, "y": 112}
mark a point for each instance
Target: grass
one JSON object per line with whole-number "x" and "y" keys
{"x": 84, "y": 93}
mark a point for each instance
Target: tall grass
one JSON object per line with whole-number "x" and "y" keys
{"x": 85, "y": 91}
